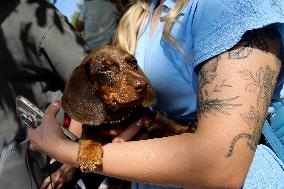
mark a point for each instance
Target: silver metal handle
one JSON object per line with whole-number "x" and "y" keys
{"x": 31, "y": 115}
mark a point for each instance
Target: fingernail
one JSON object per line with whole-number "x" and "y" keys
{"x": 56, "y": 103}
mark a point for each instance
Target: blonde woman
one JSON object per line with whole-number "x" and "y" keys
{"x": 215, "y": 61}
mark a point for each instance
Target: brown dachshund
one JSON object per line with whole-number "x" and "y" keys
{"x": 106, "y": 93}
{"x": 106, "y": 87}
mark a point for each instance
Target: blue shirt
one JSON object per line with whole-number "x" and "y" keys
{"x": 206, "y": 28}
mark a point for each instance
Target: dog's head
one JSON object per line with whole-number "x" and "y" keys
{"x": 106, "y": 86}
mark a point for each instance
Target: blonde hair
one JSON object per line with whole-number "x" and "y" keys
{"x": 134, "y": 21}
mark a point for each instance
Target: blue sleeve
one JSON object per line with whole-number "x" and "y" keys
{"x": 219, "y": 25}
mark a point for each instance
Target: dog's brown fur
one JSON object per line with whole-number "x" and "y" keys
{"x": 102, "y": 93}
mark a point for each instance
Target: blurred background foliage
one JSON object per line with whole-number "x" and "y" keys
{"x": 72, "y": 19}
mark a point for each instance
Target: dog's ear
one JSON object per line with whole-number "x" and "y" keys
{"x": 80, "y": 99}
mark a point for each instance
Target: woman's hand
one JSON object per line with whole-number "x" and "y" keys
{"x": 46, "y": 137}
{"x": 64, "y": 174}
{"x": 131, "y": 131}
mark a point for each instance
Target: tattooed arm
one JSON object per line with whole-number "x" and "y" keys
{"x": 235, "y": 91}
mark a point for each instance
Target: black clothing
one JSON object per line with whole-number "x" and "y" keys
{"x": 38, "y": 51}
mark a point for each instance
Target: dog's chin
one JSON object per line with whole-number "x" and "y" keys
{"x": 120, "y": 113}
{"x": 119, "y": 109}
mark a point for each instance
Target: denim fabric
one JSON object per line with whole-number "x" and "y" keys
{"x": 266, "y": 171}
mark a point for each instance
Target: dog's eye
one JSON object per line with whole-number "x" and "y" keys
{"x": 104, "y": 70}
{"x": 132, "y": 63}
{"x": 105, "y": 75}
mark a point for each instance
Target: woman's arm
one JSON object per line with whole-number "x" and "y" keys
{"x": 234, "y": 92}
{"x": 66, "y": 173}
{"x": 75, "y": 127}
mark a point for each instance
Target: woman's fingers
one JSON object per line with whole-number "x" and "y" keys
{"x": 131, "y": 131}
{"x": 31, "y": 147}
{"x": 53, "y": 181}
{"x": 53, "y": 109}
{"x": 34, "y": 135}
{"x": 128, "y": 134}
{"x": 45, "y": 183}
{"x": 48, "y": 132}
{"x": 57, "y": 179}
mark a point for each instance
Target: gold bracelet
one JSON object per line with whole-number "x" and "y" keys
{"x": 90, "y": 156}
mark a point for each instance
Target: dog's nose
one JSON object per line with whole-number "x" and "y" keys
{"x": 140, "y": 85}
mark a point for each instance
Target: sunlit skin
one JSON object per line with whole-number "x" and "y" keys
{"x": 226, "y": 116}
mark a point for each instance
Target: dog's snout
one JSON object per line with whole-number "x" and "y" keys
{"x": 140, "y": 85}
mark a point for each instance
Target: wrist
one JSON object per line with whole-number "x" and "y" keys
{"x": 90, "y": 156}
{"x": 66, "y": 151}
